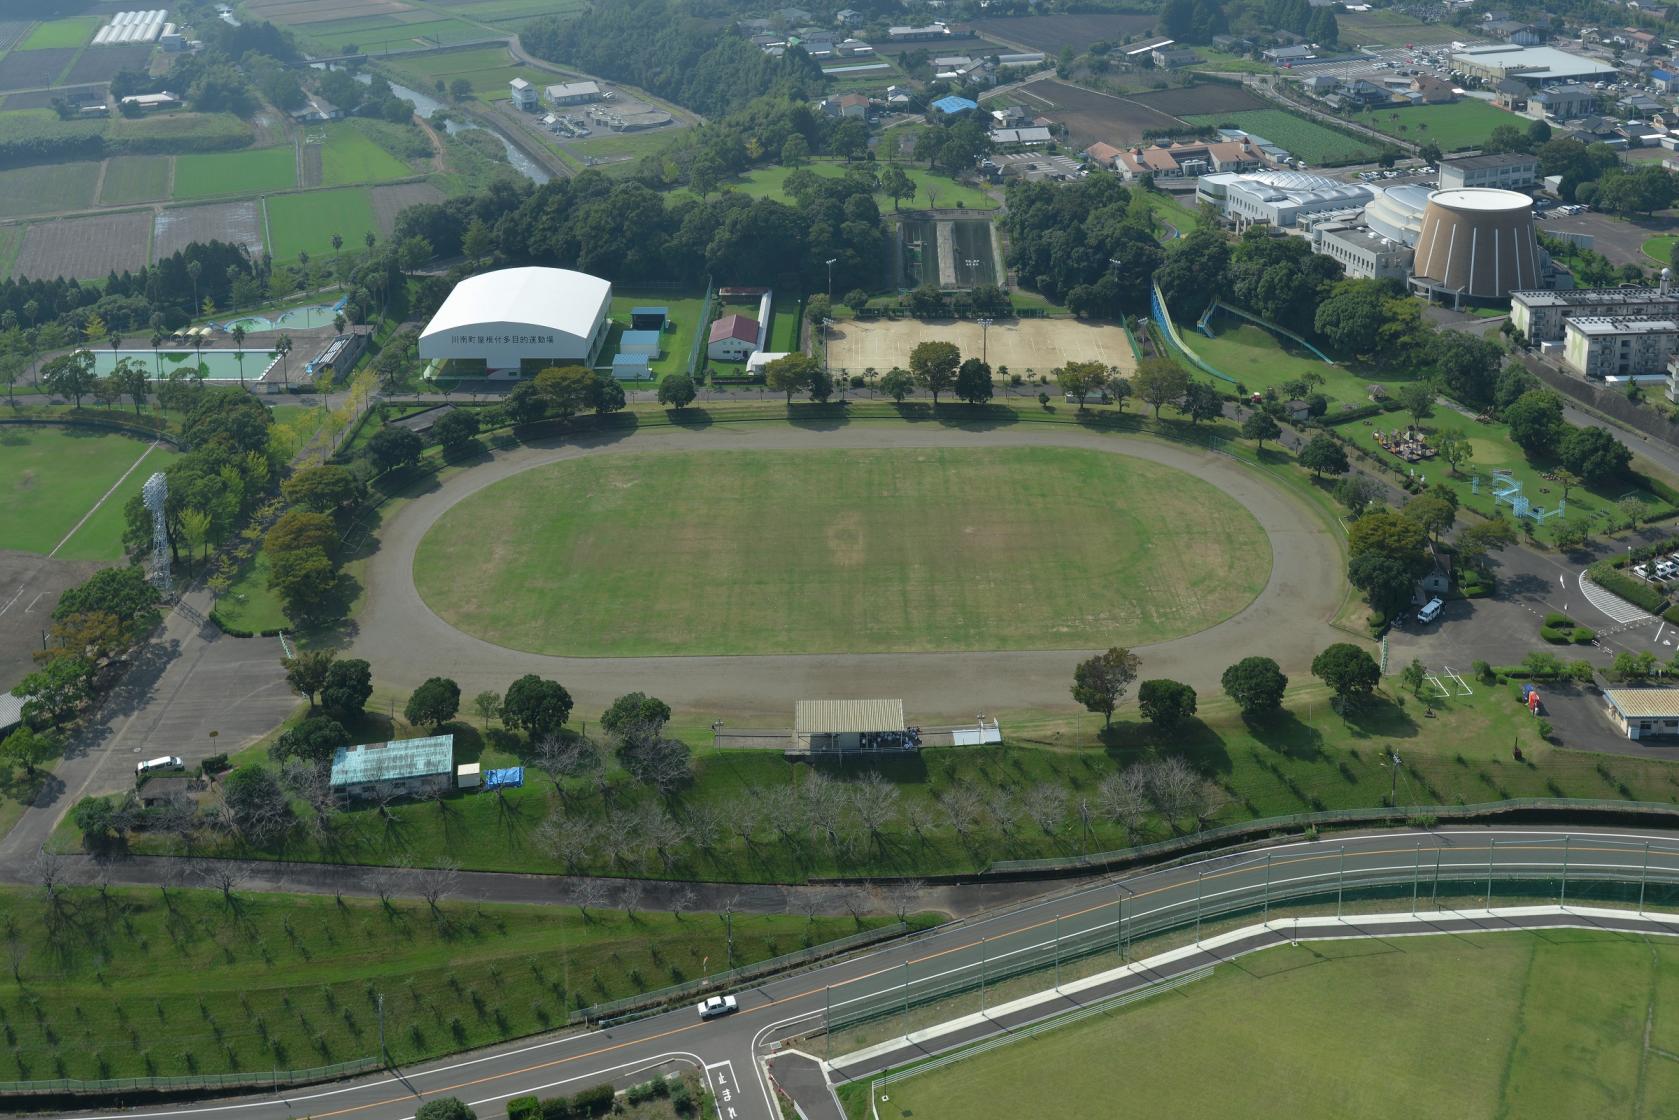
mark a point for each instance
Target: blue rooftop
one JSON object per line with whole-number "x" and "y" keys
{"x": 393, "y": 761}
{"x": 952, "y": 105}
{"x": 641, "y": 338}
{"x": 649, "y": 311}
{"x": 1662, "y": 75}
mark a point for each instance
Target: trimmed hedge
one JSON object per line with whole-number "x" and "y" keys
{"x": 1607, "y": 576}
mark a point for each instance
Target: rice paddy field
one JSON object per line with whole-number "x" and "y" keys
{"x": 350, "y": 156}
{"x": 135, "y": 179}
{"x": 1306, "y": 139}
{"x": 235, "y": 173}
{"x": 305, "y": 222}
{"x": 45, "y": 188}
{"x": 72, "y": 32}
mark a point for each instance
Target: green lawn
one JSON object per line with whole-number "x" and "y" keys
{"x": 307, "y": 221}
{"x": 1260, "y": 360}
{"x": 1660, "y": 249}
{"x": 51, "y": 476}
{"x": 135, "y": 179}
{"x": 143, "y": 982}
{"x": 684, "y": 313}
{"x": 249, "y": 604}
{"x": 784, "y": 324}
{"x": 235, "y": 173}
{"x": 931, "y": 187}
{"x": 352, "y": 157}
{"x": 1305, "y": 139}
{"x": 884, "y": 556}
{"x": 45, "y": 188}
{"x": 72, "y": 32}
{"x": 1538, "y": 1026}
{"x": 1462, "y": 124}
{"x": 489, "y": 69}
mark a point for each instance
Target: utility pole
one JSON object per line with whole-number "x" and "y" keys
{"x": 379, "y": 1002}
{"x": 1393, "y": 784}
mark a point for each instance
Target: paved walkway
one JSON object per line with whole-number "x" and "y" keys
{"x": 407, "y": 643}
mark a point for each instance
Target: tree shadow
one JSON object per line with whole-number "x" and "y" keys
{"x": 469, "y": 742}
{"x": 1379, "y": 716}
{"x": 1286, "y": 734}
{"x": 692, "y": 418}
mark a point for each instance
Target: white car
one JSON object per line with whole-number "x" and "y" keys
{"x": 718, "y": 1005}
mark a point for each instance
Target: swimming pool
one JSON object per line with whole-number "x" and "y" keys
{"x": 298, "y": 318}
{"x": 218, "y": 365}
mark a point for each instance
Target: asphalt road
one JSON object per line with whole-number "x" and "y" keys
{"x": 729, "y": 1050}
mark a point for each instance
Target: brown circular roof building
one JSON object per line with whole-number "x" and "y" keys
{"x": 1476, "y": 245}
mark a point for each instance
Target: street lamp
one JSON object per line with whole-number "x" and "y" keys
{"x": 830, "y": 262}
{"x": 984, "y": 326}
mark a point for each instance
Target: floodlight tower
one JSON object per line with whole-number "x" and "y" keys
{"x": 155, "y": 494}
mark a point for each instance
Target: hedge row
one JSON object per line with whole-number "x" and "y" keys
{"x": 590, "y": 1102}
{"x": 1606, "y": 574}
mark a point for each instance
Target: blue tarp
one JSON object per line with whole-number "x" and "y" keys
{"x": 512, "y": 777}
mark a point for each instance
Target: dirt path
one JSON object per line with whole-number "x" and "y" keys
{"x": 436, "y": 142}
{"x": 407, "y": 642}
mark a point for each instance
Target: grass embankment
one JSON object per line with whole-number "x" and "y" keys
{"x": 1308, "y": 758}
{"x": 1560, "y": 1024}
{"x": 134, "y": 982}
{"x": 1140, "y": 549}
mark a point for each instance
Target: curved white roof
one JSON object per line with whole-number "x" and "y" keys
{"x": 1484, "y": 199}
{"x": 1296, "y": 180}
{"x": 553, "y": 298}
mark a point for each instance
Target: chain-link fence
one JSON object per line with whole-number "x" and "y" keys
{"x": 272, "y": 1079}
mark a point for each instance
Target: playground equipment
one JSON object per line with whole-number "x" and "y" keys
{"x": 1508, "y": 491}
{"x": 1409, "y": 445}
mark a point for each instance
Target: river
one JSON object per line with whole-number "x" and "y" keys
{"x": 426, "y": 105}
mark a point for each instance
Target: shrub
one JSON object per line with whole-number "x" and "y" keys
{"x": 1581, "y": 635}
{"x": 593, "y": 1102}
{"x": 1483, "y": 672}
{"x": 1634, "y": 591}
{"x": 524, "y": 1108}
{"x": 1557, "y": 619}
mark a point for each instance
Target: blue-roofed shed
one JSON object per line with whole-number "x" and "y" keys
{"x": 631, "y": 367}
{"x": 640, "y": 342}
{"x": 952, "y": 105}
{"x": 402, "y": 767}
{"x": 648, "y": 318}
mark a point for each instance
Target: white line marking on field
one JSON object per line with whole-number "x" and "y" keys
{"x": 32, "y": 602}
{"x": 13, "y": 599}
{"x": 102, "y": 500}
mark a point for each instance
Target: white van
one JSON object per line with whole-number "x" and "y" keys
{"x": 1431, "y": 610}
{"x": 159, "y": 765}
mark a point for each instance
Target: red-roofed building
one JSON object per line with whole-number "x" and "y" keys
{"x": 1189, "y": 160}
{"x": 1102, "y": 154}
{"x": 733, "y": 338}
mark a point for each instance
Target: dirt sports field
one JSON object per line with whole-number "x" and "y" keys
{"x": 390, "y": 201}
{"x": 1050, "y": 33}
{"x": 1091, "y": 116}
{"x": 85, "y": 248}
{"x": 29, "y": 589}
{"x": 1035, "y": 345}
{"x": 238, "y": 223}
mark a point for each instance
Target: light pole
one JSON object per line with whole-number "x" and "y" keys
{"x": 984, "y": 328}
{"x": 830, "y": 263}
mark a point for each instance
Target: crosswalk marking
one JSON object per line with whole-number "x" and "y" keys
{"x": 1617, "y": 608}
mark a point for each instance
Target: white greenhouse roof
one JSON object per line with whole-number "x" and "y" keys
{"x": 553, "y": 298}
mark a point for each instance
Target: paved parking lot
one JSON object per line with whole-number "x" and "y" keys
{"x": 1619, "y": 239}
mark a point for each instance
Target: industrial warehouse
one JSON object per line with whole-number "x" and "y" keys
{"x": 517, "y": 321}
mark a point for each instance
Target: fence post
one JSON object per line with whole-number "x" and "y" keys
{"x": 1119, "y": 928}
{"x": 1265, "y": 914}
{"x": 1058, "y": 952}
{"x": 1492, "y": 845}
{"x": 1643, "y": 876}
{"x": 982, "y": 975}
{"x": 1562, "y": 898}
{"x": 906, "y": 999}
{"x": 1416, "y": 871}
{"x": 1198, "y": 875}
{"x": 828, "y": 1019}
{"x": 1340, "y": 881}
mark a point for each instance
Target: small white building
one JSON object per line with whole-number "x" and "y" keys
{"x": 524, "y": 95}
{"x": 733, "y": 338}
{"x": 759, "y": 360}
{"x": 1362, "y": 251}
{"x": 1641, "y": 713}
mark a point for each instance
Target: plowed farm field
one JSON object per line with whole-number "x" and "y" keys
{"x": 1091, "y": 116}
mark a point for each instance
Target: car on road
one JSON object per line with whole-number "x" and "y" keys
{"x": 717, "y": 1006}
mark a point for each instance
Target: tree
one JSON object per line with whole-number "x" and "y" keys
{"x": 1413, "y": 676}
{"x": 1566, "y": 479}
{"x": 1259, "y": 427}
{"x": 1476, "y": 543}
{"x": 306, "y": 581}
{"x": 1535, "y": 420}
{"x": 1418, "y": 399}
{"x": 434, "y": 703}
{"x": 307, "y": 672}
{"x": 1323, "y": 454}
{"x": 635, "y": 717}
{"x": 70, "y": 375}
{"x": 566, "y": 390}
{"x": 791, "y": 373}
{"x": 677, "y": 391}
{"x": 1080, "y": 379}
{"x": 934, "y": 364}
{"x": 324, "y": 489}
{"x": 1433, "y": 512}
{"x": 1201, "y": 402}
{"x": 857, "y": 299}
{"x": 445, "y": 1108}
{"x": 661, "y": 763}
{"x": 1454, "y": 448}
{"x": 795, "y": 150}
{"x": 1388, "y": 533}
{"x": 488, "y": 705}
{"x": 896, "y": 185}
{"x": 1349, "y": 671}
{"x": 973, "y": 381}
{"x": 314, "y": 740}
{"x": 255, "y": 804}
{"x": 1100, "y": 681}
{"x": 478, "y": 241}
{"x": 348, "y": 684}
{"x": 56, "y": 689}
{"x": 897, "y": 384}
{"x": 1594, "y": 454}
{"x": 391, "y": 448}
{"x": 1160, "y": 381}
{"x": 28, "y": 748}
{"x": 1387, "y": 582}
{"x": 456, "y": 430}
{"x": 1256, "y": 684}
{"x": 300, "y": 529}
{"x": 1165, "y": 703}
{"x": 535, "y": 706}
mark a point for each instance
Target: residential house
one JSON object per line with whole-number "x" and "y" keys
{"x": 1510, "y": 94}
{"x": 847, "y": 106}
{"x": 1432, "y": 90}
{"x": 733, "y": 338}
{"x": 952, "y": 105}
{"x": 1665, "y": 80}
{"x": 1320, "y": 85}
{"x": 1188, "y": 161}
{"x": 849, "y": 17}
{"x": 1566, "y": 102}
{"x": 1170, "y": 58}
{"x": 1008, "y": 117}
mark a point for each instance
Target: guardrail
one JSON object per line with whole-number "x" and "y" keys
{"x": 1646, "y": 873}
{"x": 1096, "y": 861}
{"x": 608, "y": 1014}
{"x": 274, "y": 1079}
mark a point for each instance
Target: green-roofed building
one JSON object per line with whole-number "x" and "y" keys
{"x": 400, "y": 768}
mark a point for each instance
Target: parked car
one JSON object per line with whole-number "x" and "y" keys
{"x": 1431, "y": 610}
{"x": 717, "y": 1006}
{"x": 159, "y": 765}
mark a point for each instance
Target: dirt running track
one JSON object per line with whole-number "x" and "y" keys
{"x": 407, "y": 643}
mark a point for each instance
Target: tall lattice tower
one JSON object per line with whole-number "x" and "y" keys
{"x": 156, "y": 494}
